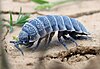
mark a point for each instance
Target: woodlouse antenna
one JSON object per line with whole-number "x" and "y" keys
{"x": 16, "y": 44}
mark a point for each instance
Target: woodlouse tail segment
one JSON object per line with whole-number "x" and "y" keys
{"x": 16, "y": 44}
{"x": 89, "y": 33}
{"x": 89, "y": 37}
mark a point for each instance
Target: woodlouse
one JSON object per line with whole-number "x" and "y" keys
{"x": 46, "y": 26}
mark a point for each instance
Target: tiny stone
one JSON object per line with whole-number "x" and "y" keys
{"x": 29, "y": 64}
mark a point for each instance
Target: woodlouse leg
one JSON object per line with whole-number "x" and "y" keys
{"x": 30, "y": 44}
{"x": 70, "y": 38}
{"x": 50, "y": 38}
{"x": 60, "y": 40}
{"x": 73, "y": 34}
{"x": 34, "y": 48}
{"x": 46, "y": 38}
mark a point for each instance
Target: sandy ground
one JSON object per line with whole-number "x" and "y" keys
{"x": 33, "y": 60}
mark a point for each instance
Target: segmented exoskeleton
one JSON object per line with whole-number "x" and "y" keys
{"x": 46, "y": 26}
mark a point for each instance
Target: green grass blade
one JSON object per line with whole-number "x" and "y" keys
{"x": 20, "y": 13}
{"x": 11, "y": 20}
{"x": 22, "y": 20}
{"x": 47, "y": 6}
{"x": 11, "y": 27}
{"x": 1, "y": 24}
{"x": 40, "y": 1}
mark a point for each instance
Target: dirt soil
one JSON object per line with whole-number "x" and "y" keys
{"x": 56, "y": 56}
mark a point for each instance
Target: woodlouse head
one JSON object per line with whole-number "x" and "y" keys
{"x": 23, "y": 39}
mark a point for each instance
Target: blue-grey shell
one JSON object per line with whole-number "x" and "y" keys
{"x": 43, "y": 25}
